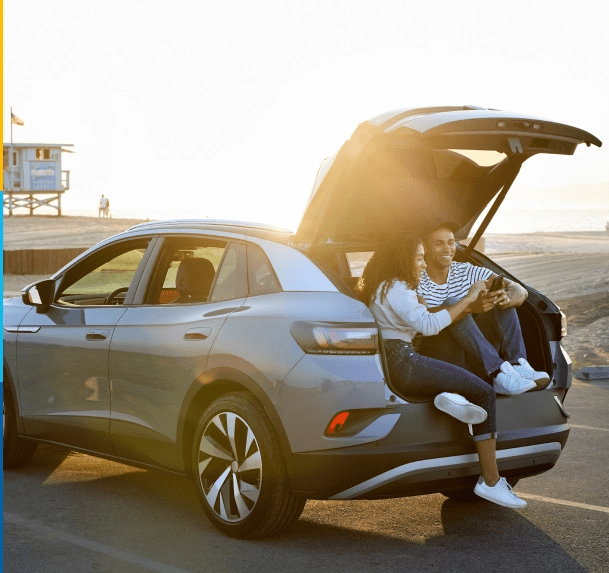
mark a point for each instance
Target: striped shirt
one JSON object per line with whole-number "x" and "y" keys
{"x": 461, "y": 276}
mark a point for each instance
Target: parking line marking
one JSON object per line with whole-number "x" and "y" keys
{"x": 589, "y": 428}
{"x": 564, "y": 502}
{"x": 92, "y": 545}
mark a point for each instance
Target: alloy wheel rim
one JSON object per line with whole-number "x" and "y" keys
{"x": 230, "y": 467}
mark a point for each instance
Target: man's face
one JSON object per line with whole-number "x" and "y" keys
{"x": 440, "y": 248}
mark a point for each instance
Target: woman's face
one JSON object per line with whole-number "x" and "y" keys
{"x": 419, "y": 262}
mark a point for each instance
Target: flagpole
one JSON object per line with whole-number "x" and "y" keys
{"x": 10, "y": 159}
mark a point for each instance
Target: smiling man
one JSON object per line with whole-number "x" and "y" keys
{"x": 487, "y": 338}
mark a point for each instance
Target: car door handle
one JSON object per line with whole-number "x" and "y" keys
{"x": 97, "y": 334}
{"x": 197, "y": 333}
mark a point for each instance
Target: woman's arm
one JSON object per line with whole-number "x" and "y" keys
{"x": 462, "y": 308}
{"x": 403, "y": 302}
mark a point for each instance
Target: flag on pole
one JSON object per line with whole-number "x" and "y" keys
{"x": 15, "y": 119}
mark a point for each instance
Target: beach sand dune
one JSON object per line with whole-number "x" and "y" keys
{"x": 48, "y": 232}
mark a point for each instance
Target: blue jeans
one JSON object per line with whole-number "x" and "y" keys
{"x": 480, "y": 343}
{"x": 411, "y": 373}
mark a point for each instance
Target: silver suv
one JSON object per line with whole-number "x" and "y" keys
{"x": 238, "y": 355}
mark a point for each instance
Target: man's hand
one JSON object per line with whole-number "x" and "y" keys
{"x": 479, "y": 298}
{"x": 503, "y": 301}
{"x": 484, "y": 302}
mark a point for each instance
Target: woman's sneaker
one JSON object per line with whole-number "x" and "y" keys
{"x": 501, "y": 493}
{"x": 458, "y": 407}
{"x": 509, "y": 382}
{"x": 541, "y": 379}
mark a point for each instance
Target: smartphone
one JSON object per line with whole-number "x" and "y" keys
{"x": 497, "y": 283}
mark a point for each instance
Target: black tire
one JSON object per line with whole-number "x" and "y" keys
{"x": 468, "y": 495}
{"x": 17, "y": 451}
{"x": 239, "y": 470}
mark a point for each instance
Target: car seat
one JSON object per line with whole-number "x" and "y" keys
{"x": 193, "y": 280}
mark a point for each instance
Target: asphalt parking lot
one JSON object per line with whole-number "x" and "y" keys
{"x": 71, "y": 512}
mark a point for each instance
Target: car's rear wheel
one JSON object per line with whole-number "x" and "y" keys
{"x": 239, "y": 470}
{"x": 468, "y": 495}
{"x": 17, "y": 451}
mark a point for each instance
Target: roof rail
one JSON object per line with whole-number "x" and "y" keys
{"x": 219, "y": 222}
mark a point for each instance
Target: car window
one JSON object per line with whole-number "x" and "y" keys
{"x": 104, "y": 272}
{"x": 185, "y": 270}
{"x": 262, "y": 279}
{"x": 232, "y": 276}
{"x": 357, "y": 262}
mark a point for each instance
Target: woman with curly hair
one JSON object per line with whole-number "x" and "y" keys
{"x": 388, "y": 288}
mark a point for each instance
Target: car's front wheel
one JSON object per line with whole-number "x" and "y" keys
{"x": 16, "y": 450}
{"x": 239, "y": 470}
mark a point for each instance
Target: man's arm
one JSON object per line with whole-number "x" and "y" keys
{"x": 460, "y": 309}
{"x": 514, "y": 294}
{"x": 511, "y": 295}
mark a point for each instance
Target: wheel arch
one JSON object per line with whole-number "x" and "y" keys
{"x": 211, "y": 385}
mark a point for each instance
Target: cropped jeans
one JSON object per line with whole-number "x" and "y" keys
{"x": 480, "y": 343}
{"x": 411, "y": 373}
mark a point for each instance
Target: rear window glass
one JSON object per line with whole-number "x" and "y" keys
{"x": 232, "y": 278}
{"x": 262, "y": 279}
{"x": 357, "y": 262}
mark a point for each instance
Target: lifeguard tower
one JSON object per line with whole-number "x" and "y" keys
{"x": 33, "y": 176}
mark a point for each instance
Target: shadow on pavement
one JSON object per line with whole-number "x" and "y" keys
{"x": 158, "y": 516}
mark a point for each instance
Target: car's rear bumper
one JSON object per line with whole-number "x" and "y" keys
{"x": 428, "y": 452}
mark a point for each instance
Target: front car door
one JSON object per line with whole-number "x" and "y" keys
{"x": 62, "y": 354}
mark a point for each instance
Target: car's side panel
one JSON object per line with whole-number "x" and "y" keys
{"x": 62, "y": 362}
{"x": 305, "y": 390}
{"x": 157, "y": 352}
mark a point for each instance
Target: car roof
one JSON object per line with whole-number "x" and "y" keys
{"x": 258, "y": 230}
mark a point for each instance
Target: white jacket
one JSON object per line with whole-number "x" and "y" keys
{"x": 401, "y": 315}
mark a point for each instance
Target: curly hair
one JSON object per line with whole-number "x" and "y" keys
{"x": 392, "y": 261}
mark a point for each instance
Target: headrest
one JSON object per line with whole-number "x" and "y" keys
{"x": 194, "y": 278}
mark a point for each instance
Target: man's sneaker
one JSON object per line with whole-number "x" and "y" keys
{"x": 458, "y": 407}
{"x": 509, "y": 382}
{"x": 501, "y": 493}
{"x": 523, "y": 368}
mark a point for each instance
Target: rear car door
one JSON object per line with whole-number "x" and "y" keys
{"x": 161, "y": 343}
{"x": 62, "y": 354}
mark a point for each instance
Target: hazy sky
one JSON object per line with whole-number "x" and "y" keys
{"x": 227, "y": 109}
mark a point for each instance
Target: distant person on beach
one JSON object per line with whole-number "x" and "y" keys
{"x": 104, "y": 206}
{"x": 488, "y": 341}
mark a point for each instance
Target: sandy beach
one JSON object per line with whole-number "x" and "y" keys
{"x": 571, "y": 268}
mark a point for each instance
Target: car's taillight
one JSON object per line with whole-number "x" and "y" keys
{"x": 336, "y": 424}
{"x": 336, "y": 338}
{"x": 559, "y": 321}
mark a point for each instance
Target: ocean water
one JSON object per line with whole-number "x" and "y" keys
{"x": 533, "y": 219}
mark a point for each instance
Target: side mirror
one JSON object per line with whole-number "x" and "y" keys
{"x": 39, "y": 294}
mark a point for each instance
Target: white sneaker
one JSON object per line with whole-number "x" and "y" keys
{"x": 501, "y": 493}
{"x": 458, "y": 407}
{"x": 525, "y": 370}
{"x": 509, "y": 382}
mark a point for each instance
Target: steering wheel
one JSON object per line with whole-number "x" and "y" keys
{"x": 112, "y": 295}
